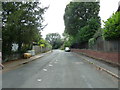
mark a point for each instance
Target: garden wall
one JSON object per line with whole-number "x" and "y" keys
{"x": 19, "y": 56}
{"x": 112, "y": 57}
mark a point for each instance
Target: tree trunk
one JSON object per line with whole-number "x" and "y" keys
{"x": 19, "y": 47}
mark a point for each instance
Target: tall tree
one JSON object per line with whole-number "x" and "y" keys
{"x": 81, "y": 20}
{"x": 78, "y": 13}
{"x": 54, "y": 39}
{"x": 22, "y": 22}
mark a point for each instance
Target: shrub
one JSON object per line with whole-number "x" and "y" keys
{"x": 91, "y": 42}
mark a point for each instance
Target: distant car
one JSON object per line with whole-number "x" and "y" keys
{"x": 67, "y": 49}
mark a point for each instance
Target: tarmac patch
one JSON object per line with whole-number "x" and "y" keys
{"x": 79, "y": 63}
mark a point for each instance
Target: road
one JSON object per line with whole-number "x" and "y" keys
{"x": 58, "y": 69}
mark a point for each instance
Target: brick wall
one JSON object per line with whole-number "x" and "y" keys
{"x": 112, "y": 57}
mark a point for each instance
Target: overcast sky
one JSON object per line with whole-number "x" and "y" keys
{"x": 54, "y": 15}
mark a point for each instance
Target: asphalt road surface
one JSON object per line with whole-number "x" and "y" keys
{"x": 58, "y": 69}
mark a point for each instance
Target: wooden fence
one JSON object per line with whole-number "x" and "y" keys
{"x": 106, "y": 46}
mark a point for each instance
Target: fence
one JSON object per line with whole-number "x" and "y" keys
{"x": 39, "y": 49}
{"x": 15, "y": 56}
{"x": 12, "y": 57}
{"x": 108, "y": 51}
{"x": 106, "y": 46}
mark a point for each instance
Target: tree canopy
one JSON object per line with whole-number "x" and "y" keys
{"x": 44, "y": 43}
{"x": 81, "y": 20}
{"x": 22, "y": 23}
{"x": 111, "y": 30}
{"x": 54, "y": 39}
{"x": 78, "y": 14}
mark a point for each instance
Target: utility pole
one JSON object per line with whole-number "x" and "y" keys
{"x": 1, "y": 35}
{"x": 1, "y": 66}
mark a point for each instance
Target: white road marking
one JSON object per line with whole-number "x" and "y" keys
{"x": 39, "y": 80}
{"x": 50, "y": 65}
{"x": 45, "y": 70}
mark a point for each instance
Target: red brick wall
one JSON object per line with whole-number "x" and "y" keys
{"x": 112, "y": 57}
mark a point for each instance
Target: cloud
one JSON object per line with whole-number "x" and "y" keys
{"x": 54, "y": 16}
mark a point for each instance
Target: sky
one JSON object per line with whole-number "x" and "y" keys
{"x": 54, "y": 14}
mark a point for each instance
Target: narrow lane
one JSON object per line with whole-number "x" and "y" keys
{"x": 58, "y": 70}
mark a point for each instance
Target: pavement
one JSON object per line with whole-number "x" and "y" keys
{"x": 15, "y": 63}
{"x": 102, "y": 65}
{"x": 58, "y": 69}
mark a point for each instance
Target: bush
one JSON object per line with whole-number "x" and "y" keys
{"x": 111, "y": 31}
{"x": 91, "y": 42}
